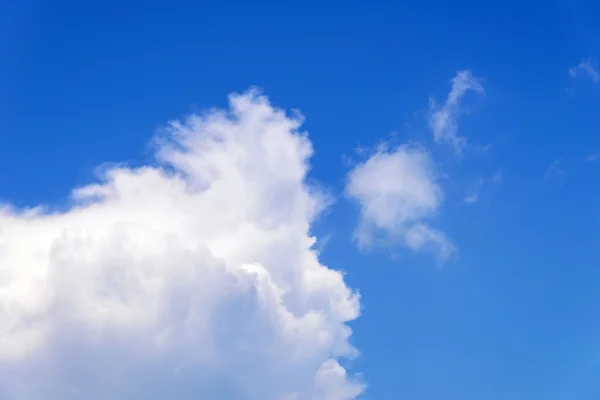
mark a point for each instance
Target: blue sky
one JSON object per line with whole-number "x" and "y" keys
{"x": 513, "y": 312}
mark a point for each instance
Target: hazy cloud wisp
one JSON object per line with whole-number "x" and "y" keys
{"x": 443, "y": 118}
{"x": 554, "y": 170}
{"x": 585, "y": 68}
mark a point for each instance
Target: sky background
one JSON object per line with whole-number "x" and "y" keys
{"x": 513, "y": 314}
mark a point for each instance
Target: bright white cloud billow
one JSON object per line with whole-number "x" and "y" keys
{"x": 397, "y": 192}
{"x": 192, "y": 279}
{"x": 443, "y": 118}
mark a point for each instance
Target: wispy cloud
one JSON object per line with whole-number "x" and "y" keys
{"x": 554, "y": 170}
{"x": 592, "y": 158}
{"x": 497, "y": 177}
{"x": 473, "y": 196}
{"x": 585, "y": 68}
{"x": 443, "y": 118}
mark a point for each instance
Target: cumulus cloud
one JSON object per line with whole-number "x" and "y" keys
{"x": 585, "y": 68}
{"x": 397, "y": 191}
{"x": 192, "y": 278}
{"x": 443, "y": 118}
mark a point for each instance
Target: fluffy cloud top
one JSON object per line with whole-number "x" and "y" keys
{"x": 195, "y": 278}
{"x": 397, "y": 191}
{"x": 443, "y": 119}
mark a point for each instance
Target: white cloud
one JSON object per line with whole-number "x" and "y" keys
{"x": 443, "y": 119}
{"x": 592, "y": 158}
{"x": 554, "y": 170}
{"x": 497, "y": 177}
{"x": 473, "y": 196}
{"x": 585, "y": 68}
{"x": 397, "y": 190}
{"x": 195, "y": 278}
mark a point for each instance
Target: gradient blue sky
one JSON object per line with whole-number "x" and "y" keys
{"x": 515, "y": 314}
